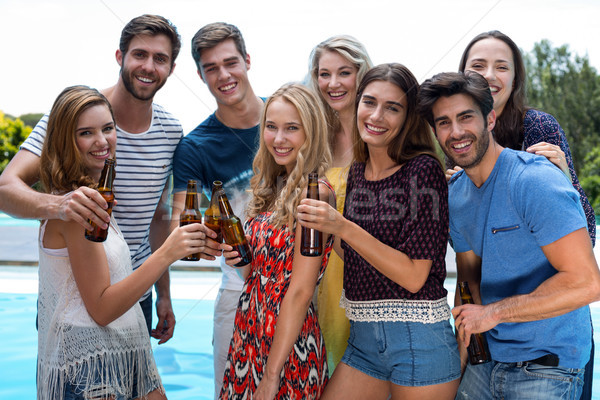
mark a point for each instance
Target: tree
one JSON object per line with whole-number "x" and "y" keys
{"x": 567, "y": 87}
{"x": 31, "y": 119}
{"x": 12, "y": 133}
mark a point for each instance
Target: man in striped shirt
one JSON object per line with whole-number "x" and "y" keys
{"x": 147, "y": 137}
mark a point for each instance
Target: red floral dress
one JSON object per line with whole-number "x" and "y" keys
{"x": 305, "y": 373}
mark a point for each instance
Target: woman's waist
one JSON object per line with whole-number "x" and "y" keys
{"x": 425, "y": 311}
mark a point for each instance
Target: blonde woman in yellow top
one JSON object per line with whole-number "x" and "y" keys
{"x": 336, "y": 67}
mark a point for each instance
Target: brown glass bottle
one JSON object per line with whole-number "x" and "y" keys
{"x": 233, "y": 232}
{"x": 212, "y": 215}
{"x": 312, "y": 240}
{"x": 190, "y": 213}
{"x": 478, "y": 347}
{"x": 105, "y": 187}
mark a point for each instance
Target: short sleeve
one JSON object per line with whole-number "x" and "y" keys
{"x": 185, "y": 162}
{"x": 35, "y": 141}
{"x": 426, "y": 225}
{"x": 549, "y": 204}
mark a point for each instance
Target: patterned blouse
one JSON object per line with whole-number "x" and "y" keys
{"x": 409, "y": 212}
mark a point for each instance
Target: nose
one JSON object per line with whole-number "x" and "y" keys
{"x": 333, "y": 82}
{"x": 489, "y": 73}
{"x": 279, "y": 138}
{"x": 377, "y": 113}
{"x": 224, "y": 73}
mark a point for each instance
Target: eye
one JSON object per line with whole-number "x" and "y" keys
{"x": 392, "y": 108}
{"x": 84, "y": 133}
{"x": 477, "y": 66}
{"x": 466, "y": 117}
{"x": 232, "y": 64}
{"x": 345, "y": 73}
{"x": 324, "y": 75}
{"x": 108, "y": 129}
{"x": 270, "y": 127}
{"x": 293, "y": 128}
{"x": 503, "y": 67}
{"x": 161, "y": 59}
{"x": 368, "y": 102}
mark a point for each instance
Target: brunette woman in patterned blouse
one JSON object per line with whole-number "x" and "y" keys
{"x": 393, "y": 235}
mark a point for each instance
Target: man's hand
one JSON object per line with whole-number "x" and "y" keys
{"x": 82, "y": 205}
{"x": 473, "y": 318}
{"x": 166, "y": 320}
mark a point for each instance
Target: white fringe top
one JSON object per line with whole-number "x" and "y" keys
{"x": 72, "y": 347}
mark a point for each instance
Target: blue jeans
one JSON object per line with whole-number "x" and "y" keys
{"x": 522, "y": 381}
{"x": 147, "y": 310}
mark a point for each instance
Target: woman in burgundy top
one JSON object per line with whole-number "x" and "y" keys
{"x": 393, "y": 236}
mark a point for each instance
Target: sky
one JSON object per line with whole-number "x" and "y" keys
{"x": 48, "y": 45}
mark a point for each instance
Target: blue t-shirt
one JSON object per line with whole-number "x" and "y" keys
{"x": 214, "y": 151}
{"x": 524, "y": 204}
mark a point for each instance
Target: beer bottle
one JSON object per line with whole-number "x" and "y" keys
{"x": 212, "y": 215}
{"x": 312, "y": 240}
{"x": 190, "y": 213}
{"x": 233, "y": 232}
{"x": 105, "y": 187}
{"x": 478, "y": 347}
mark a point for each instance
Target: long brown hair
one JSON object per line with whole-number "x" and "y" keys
{"x": 508, "y": 131}
{"x": 61, "y": 165}
{"x": 415, "y": 137}
{"x": 272, "y": 189}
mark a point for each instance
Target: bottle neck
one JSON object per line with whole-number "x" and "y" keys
{"x": 107, "y": 176}
{"x": 191, "y": 201}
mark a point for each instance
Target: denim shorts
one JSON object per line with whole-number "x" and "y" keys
{"x": 404, "y": 353}
{"x": 76, "y": 390}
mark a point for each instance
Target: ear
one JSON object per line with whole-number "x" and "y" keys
{"x": 247, "y": 61}
{"x": 491, "y": 120}
{"x": 119, "y": 57}
{"x": 172, "y": 68}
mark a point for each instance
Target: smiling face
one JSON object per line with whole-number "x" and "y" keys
{"x": 493, "y": 59}
{"x": 381, "y": 113}
{"x": 96, "y": 138}
{"x": 283, "y": 132}
{"x": 225, "y": 72}
{"x": 146, "y": 66}
{"x": 337, "y": 81}
{"x": 461, "y": 129}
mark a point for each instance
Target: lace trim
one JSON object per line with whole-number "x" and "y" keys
{"x": 396, "y": 310}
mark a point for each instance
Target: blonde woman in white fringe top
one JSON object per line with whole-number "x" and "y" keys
{"x": 92, "y": 337}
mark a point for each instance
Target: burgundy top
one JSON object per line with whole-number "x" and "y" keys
{"x": 407, "y": 211}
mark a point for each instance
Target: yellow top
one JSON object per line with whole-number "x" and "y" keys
{"x": 332, "y": 318}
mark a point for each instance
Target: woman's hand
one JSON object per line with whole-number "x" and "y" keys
{"x": 190, "y": 239}
{"x": 450, "y": 172}
{"x": 553, "y": 153}
{"x": 320, "y": 215}
{"x": 267, "y": 388}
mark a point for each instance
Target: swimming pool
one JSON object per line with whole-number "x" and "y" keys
{"x": 185, "y": 362}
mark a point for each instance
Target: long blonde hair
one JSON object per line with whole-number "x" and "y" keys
{"x": 350, "y": 49}
{"x": 274, "y": 190}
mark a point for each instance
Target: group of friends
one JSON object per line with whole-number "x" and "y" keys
{"x": 369, "y": 318}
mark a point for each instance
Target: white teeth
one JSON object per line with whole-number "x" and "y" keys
{"x": 99, "y": 153}
{"x": 337, "y": 94}
{"x": 461, "y": 145}
{"x": 283, "y": 150}
{"x": 145, "y": 80}
{"x": 494, "y": 89}
{"x": 376, "y": 129}
{"x": 228, "y": 87}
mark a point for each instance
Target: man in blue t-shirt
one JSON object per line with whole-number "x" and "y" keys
{"x": 221, "y": 148}
{"x": 521, "y": 242}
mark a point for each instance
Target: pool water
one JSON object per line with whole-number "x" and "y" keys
{"x": 185, "y": 362}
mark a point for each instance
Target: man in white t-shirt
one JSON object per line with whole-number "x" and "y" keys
{"x": 147, "y": 137}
